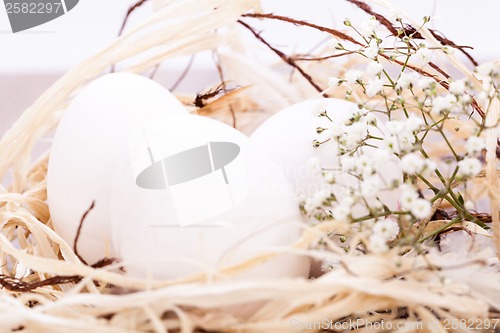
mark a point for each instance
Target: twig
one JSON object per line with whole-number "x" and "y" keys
{"x": 13, "y": 284}
{"x": 333, "y": 32}
{"x": 290, "y": 61}
{"x": 183, "y": 75}
{"x": 78, "y": 232}
{"x": 223, "y": 83}
{"x": 125, "y": 20}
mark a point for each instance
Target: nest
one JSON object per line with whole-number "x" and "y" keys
{"x": 47, "y": 288}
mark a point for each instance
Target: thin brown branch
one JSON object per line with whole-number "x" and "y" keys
{"x": 333, "y": 32}
{"x": 17, "y": 285}
{"x": 224, "y": 86}
{"x": 290, "y": 61}
{"x": 125, "y": 20}
{"x": 183, "y": 75}
{"x": 79, "y": 230}
{"x": 380, "y": 18}
{"x": 304, "y": 58}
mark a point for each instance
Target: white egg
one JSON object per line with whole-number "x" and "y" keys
{"x": 197, "y": 197}
{"x": 90, "y": 139}
{"x": 287, "y": 138}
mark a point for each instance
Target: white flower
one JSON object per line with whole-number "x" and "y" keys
{"x": 414, "y": 123}
{"x": 422, "y": 57}
{"x": 341, "y": 213}
{"x": 391, "y": 144}
{"x": 372, "y": 50}
{"x": 316, "y": 200}
{"x": 370, "y": 187}
{"x": 374, "y": 87}
{"x": 386, "y": 229}
{"x": 421, "y": 208}
{"x": 395, "y": 15}
{"x": 469, "y": 205}
{"x": 457, "y": 87}
{"x": 329, "y": 177}
{"x": 443, "y": 104}
{"x": 336, "y": 131}
{"x": 430, "y": 167}
{"x": 334, "y": 82}
{"x": 408, "y": 197}
{"x": 412, "y": 163}
{"x": 425, "y": 83}
{"x": 371, "y": 119}
{"x": 469, "y": 167}
{"x": 377, "y": 244}
{"x": 368, "y": 28}
{"x": 353, "y": 75}
{"x": 356, "y": 133}
{"x": 374, "y": 68}
{"x": 348, "y": 163}
{"x": 395, "y": 127}
{"x": 407, "y": 79}
{"x": 485, "y": 69}
{"x": 318, "y": 109}
{"x": 475, "y": 145}
{"x": 314, "y": 165}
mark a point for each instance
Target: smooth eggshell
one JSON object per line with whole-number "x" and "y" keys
{"x": 90, "y": 140}
{"x": 287, "y": 139}
{"x": 152, "y": 244}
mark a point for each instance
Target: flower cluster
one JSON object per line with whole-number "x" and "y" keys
{"x": 401, "y": 118}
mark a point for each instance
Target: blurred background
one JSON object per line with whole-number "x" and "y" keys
{"x": 31, "y": 61}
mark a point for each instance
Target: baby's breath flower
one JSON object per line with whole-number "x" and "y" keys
{"x": 334, "y": 81}
{"x": 425, "y": 83}
{"x": 395, "y": 127}
{"x": 370, "y": 186}
{"x": 422, "y": 57}
{"x": 369, "y": 28}
{"x": 341, "y": 213}
{"x": 314, "y": 165}
{"x": 469, "y": 167}
{"x": 412, "y": 163}
{"x": 372, "y": 50}
{"x": 377, "y": 244}
{"x": 408, "y": 197}
{"x": 353, "y": 75}
{"x": 374, "y": 87}
{"x": 317, "y": 200}
{"x": 395, "y": 16}
{"x": 371, "y": 119}
{"x": 430, "y": 167}
{"x": 475, "y": 145}
{"x": 391, "y": 144}
{"x": 386, "y": 229}
{"x": 414, "y": 124}
{"x": 329, "y": 177}
{"x": 486, "y": 69}
{"x": 406, "y": 80}
{"x": 457, "y": 87}
{"x": 469, "y": 205}
{"x": 374, "y": 68}
{"x": 443, "y": 104}
{"x": 318, "y": 109}
{"x": 421, "y": 208}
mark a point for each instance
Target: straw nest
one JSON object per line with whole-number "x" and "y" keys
{"x": 47, "y": 289}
